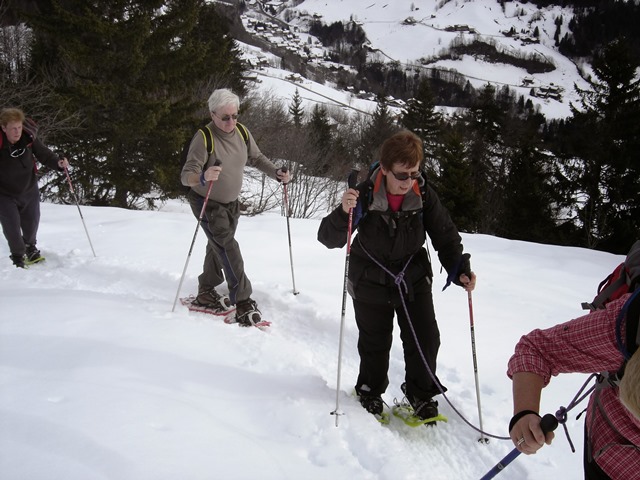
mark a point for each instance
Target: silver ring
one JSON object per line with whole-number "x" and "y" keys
{"x": 520, "y": 442}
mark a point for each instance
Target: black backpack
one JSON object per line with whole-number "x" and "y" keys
{"x": 209, "y": 143}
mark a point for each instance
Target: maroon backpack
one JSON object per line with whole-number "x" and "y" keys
{"x": 622, "y": 280}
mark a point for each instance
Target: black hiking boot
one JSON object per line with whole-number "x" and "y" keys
{"x": 422, "y": 408}
{"x": 211, "y": 299}
{"x": 371, "y": 403}
{"x": 18, "y": 260}
{"x": 247, "y": 313}
{"x": 33, "y": 255}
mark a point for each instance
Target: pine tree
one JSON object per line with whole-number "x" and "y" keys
{"x": 319, "y": 131}
{"x": 606, "y": 141}
{"x": 484, "y": 123}
{"x": 295, "y": 109}
{"x": 453, "y": 182}
{"x": 378, "y": 129}
{"x": 136, "y": 71}
{"x": 527, "y": 211}
{"x": 422, "y": 119}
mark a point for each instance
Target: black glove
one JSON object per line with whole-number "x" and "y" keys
{"x": 464, "y": 268}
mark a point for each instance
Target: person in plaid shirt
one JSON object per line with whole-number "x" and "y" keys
{"x": 586, "y": 344}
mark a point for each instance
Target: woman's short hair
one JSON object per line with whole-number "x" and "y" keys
{"x": 629, "y": 388}
{"x": 8, "y": 115}
{"x": 402, "y": 148}
{"x": 221, "y": 98}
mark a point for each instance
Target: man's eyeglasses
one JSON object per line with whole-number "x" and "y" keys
{"x": 226, "y": 118}
{"x": 17, "y": 152}
{"x": 406, "y": 176}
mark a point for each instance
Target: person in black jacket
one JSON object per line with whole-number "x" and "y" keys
{"x": 390, "y": 271}
{"x": 19, "y": 193}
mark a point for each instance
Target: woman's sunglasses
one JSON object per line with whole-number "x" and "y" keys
{"x": 406, "y": 176}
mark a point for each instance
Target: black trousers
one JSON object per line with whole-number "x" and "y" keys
{"x": 375, "y": 326}
{"x": 20, "y": 218}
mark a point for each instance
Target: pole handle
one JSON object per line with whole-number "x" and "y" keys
{"x": 352, "y": 180}
{"x": 548, "y": 423}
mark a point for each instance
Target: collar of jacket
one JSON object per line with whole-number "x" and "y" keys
{"x": 412, "y": 199}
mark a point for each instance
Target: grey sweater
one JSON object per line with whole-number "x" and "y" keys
{"x": 233, "y": 153}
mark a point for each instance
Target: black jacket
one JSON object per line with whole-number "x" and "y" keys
{"x": 18, "y": 174}
{"x": 393, "y": 240}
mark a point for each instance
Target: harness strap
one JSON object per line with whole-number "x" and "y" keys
{"x": 398, "y": 279}
{"x": 604, "y": 381}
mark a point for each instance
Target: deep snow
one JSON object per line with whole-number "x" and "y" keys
{"x": 100, "y": 380}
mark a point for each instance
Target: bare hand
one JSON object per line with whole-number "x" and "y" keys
{"x": 527, "y": 435}
{"x": 63, "y": 162}
{"x": 212, "y": 174}
{"x": 284, "y": 177}
{"x": 349, "y": 199}
{"x": 468, "y": 283}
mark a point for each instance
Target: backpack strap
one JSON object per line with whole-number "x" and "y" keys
{"x": 617, "y": 279}
{"x": 630, "y": 309}
{"x": 209, "y": 143}
{"x": 633, "y": 321}
{"x": 208, "y": 138}
{"x": 244, "y": 133}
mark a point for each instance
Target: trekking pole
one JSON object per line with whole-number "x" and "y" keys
{"x": 186, "y": 263}
{"x": 75, "y": 197}
{"x": 351, "y": 181}
{"x": 482, "y": 438}
{"x": 548, "y": 424}
{"x": 286, "y": 206}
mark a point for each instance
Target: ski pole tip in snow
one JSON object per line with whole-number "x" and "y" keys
{"x": 337, "y": 414}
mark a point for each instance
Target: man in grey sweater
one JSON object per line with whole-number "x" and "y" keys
{"x": 225, "y": 167}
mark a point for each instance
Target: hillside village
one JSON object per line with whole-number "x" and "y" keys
{"x": 264, "y": 20}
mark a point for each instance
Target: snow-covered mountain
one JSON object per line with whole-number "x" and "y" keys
{"x": 417, "y": 34}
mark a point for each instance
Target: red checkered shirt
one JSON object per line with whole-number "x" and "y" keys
{"x": 586, "y": 345}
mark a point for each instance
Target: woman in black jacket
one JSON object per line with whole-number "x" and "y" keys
{"x": 19, "y": 193}
{"x": 390, "y": 270}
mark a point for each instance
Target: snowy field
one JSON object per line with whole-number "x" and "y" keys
{"x": 99, "y": 379}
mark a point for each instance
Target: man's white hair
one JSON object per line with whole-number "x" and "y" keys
{"x": 221, "y": 98}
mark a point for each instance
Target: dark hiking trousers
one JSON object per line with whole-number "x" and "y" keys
{"x": 20, "y": 217}
{"x": 223, "y": 254}
{"x": 375, "y": 326}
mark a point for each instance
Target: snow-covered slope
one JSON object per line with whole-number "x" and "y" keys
{"x": 435, "y": 25}
{"x": 100, "y": 380}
